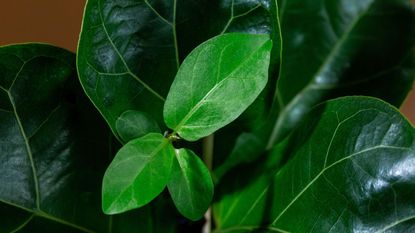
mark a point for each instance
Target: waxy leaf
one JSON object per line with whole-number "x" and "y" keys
{"x": 216, "y": 83}
{"x": 339, "y": 48}
{"x": 190, "y": 185}
{"x": 138, "y": 173}
{"x": 350, "y": 169}
{"x": 129, "y": 51}
{"x": 51, "y": 145}
{"x": 359, "y": 174}
{"x": 50, "y": 179}
{"x": 134, "y": 124}
{"x": 127, "y": 57}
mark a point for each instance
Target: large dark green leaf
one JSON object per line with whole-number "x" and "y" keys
{"x": 129, "y": 51}
{"x": 48, "y": 145}
{"x": 54, "y": 150}
{"x": 350, "y": 63}
{"x": 216, "y": 83}
{"x": 342, "y": 47}
{"x": 350, "y": 169}
{"x": 127, "y": 56}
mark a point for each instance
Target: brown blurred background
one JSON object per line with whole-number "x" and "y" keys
{"x": 58, "y": 22}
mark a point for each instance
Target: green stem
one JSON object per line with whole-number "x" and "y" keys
{"x": 208, "y": 145}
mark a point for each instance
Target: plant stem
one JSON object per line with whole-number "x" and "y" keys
{"x": 208, "y": 144}
{"x": 207, "y": 227}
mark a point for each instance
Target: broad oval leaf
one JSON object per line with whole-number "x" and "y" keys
{"x": 360, "y": 171}
{"x": 134, "y": 124}
{"x": 138, "y": 173}
{"x": 332, "y": 49}
{"x": 126, "y": 56}
{"x": 69, "y": 149}
{"x": 216, "y": 83}
{"x": 51, "y": 144}
{"x": 350, "y": 169}
{"x": 190, "y": 184}
{"x": 129, "y": 51}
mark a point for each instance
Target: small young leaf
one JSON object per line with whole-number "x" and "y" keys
{"x": 134, "y": 124}
{"x": 190, "y": 185}
{"x": 216, "y": 83}
{"x": 138, "y": 173}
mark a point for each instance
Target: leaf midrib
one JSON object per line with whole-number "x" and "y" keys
{"x": 37, "y": 212}
{"x": 159, "y": 148}
{"x": 23, "y": 133}
{"x": 145, "y": 85}
{"x": 186, "y": 179}
{"x": 42, "y": 214}
{"x": 329, "y": 167}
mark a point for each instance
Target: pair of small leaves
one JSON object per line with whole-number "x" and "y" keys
{"x": 215, "y": 84}
{"x": 142, "y": 169}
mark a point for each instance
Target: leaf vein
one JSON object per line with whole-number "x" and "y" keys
{"x": 122, "y": 58}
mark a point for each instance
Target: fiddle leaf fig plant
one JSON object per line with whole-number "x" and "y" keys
{"x": 226, "y": 116}
{"x": 214, "y": 85}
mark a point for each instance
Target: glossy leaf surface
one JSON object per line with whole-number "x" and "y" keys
{"x": 190, "y": 185}
{"x": 50, "y": 143}
{"x": 134, "y": 124}
{"x": 349, "y": 169}
{"x": 342, "y": 47}
{"x": 126, "y": 56}
{"x": 129, "y": 51}
{"x": 138, "y": 173}
{"x": 216, "y": 83}
{"x": 69, "y": 148}
{"x": 359, "y": 175}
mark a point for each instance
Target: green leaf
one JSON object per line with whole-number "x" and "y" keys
{"x": 70, "y": 150}
{"x": 247, "y": 148}
{"x": 242, "y": 196}
{"x": 51, "y": 144}
{"x": 138, "y": 173}
{"x": 127, "y": 57}
{"x": 359, "y": 174}
{"x": 349, "y": 169}
{"x": 216, "y": 83}
{"x": 332, "y": 49}
{"x": 134, "y": 124}
{"x": 190, "y": 185}
{"x": 129, "y": 52}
